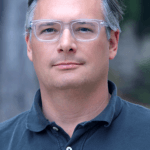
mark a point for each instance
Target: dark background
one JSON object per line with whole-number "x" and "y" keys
{"x": 130, "y": 70}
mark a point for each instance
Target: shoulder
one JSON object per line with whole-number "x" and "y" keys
{"x": 135, "y": 115}
{"x": 135, "y": 110}
{"x": 133, "y": 124}
{"x": 15, "y": 125}
{"x": 14, "y": 121}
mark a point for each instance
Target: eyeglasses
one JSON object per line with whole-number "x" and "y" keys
{"x": 52, "y": 30}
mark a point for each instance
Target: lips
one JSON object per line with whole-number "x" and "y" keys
{"x": 67, "y": 65}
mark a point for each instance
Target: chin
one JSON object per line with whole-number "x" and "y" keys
{"x": 68, "y": 84}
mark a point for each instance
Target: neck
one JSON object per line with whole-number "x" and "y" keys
{"x": 72, "y": 106}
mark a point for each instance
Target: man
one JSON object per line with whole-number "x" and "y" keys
{"x": 70, "y": 44}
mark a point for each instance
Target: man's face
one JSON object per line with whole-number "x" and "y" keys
{"x": 92, "y": 58}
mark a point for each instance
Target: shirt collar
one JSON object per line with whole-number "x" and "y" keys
{"x": 113, "y": 108}
{"x": 36, "y": 121}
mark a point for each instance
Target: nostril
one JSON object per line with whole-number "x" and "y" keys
{"x": 71, "y": 49}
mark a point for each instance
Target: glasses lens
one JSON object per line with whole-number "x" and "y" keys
{"x": 85, "y": 30}
{"x": 48, "y": 30}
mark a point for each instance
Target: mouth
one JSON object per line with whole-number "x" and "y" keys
{"x": 67, "y": 65}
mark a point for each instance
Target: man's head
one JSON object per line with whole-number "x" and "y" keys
{"x": 68, "y": 63}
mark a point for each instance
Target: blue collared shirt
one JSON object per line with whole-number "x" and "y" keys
{"x": 121, "y": 126}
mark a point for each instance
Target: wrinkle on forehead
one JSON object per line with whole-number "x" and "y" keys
{"x": 58, "y": 9}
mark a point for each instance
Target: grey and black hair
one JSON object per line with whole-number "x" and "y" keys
{"x": 112, "y": 10}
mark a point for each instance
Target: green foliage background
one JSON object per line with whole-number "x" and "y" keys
{"x": 139, "y": 12}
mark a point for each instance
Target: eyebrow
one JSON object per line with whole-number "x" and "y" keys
{"x": 47, "y": 24}
{"x": 87, "y": 23}
{"x": 53, "y": 23}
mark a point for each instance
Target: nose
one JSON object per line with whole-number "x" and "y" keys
{"x": 67, "y": 43}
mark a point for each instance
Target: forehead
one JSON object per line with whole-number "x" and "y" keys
{"x": 67, "y": 10}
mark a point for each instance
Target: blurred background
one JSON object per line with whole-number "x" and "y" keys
{"x": 130, "y": 70}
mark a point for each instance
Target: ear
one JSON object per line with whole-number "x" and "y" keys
{"x": 113, "y": 44}
{"x": 29, "y": 48}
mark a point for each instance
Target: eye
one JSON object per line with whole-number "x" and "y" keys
{"x": 84, "y": 30}
{"x": 49, "y": 30}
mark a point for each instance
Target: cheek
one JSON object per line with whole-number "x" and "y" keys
{"x": 98, "y": 51}
{"x": 42, "y": 55}
{"x": 42, "y": 52}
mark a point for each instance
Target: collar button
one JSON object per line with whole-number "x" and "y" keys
{"x": 55, "y": 128}
{"x": 68, "y": 148}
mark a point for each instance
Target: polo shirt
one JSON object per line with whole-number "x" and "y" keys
{"x": 120, "y": 126}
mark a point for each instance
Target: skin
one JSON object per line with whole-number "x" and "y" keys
{"x": 72, "y": 96}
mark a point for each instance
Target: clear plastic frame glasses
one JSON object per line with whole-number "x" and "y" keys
{"x": 52, "y": 30}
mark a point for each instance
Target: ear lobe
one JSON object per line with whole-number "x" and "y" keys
{"x": 113, "y": 44}
{"x": 29, "y": 49}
